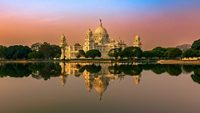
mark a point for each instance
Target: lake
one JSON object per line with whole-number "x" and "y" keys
{"x": 99, "y": 88}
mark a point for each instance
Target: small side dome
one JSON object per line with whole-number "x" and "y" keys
{"x": 63, "y": 37}
{"x": 89, "y": 32}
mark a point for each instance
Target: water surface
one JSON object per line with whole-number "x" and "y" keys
{"x": 99, "y": 88}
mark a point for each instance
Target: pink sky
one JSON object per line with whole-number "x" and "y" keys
{"x": 156, "y": 27}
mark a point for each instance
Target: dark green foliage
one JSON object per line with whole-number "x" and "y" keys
{"x": 131, "y": 52}
{"x": 188, "y": 68}
{"x": 148, "y": 54}
{"x": 46, "y": 70}
{"x": 191, "y": 53}
{"x": 131, "y": 69}
{"x": 158, "y": 68}
{"x": 47, "y": 50}
{"x": 90, "y": 68}
{"x": 50, "y": 51}
{"x": 93, "y": 54}
{"x": 196, "y": 45}
{"x": 81, "y": 53}
{"x": 3, "y": 51}
{"x": 37, "y": 70}
{"x": 173, "y": 70}
{"x": 17, "y": 52}
{"x": 35, "y": 55}
{"x": 196, "y": 78}
{"x": 126, "y": 69}
{"x": 56, "y": 51}
{"x": 115, "y": 69}
{"x": 173, "y": 53}
{"x": 15, "y": 70}
{"x": 159, "y": 52}
{"x": 115, "y": 53}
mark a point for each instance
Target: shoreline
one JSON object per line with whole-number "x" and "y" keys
{"x": 179, "y": 62}
{"x": 79, "y": 61}
{"x": 173, "y": 62}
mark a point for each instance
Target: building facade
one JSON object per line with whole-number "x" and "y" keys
{"x": 99, "y": 39}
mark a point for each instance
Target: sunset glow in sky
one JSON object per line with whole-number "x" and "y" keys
{"x": 158, "y": 22}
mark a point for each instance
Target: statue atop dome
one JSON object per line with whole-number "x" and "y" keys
{"x": 100, "y": 22}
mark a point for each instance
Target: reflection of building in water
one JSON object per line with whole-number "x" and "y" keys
{"x": 100, "y": 85}
{"x": 136, "y": 79}
{"x": 88, "y": 80}
{"x": 63, "y": 80}
{"x": 98, "y": 81}
{"x": 67, "y": 69}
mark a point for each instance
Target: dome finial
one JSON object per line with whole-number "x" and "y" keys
{"x": 100, "y": 22}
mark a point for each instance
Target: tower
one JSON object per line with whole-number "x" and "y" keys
{"x": 63, "y": 45}
{"x": 137, "y": 41}
{"x": 89, "y": 41}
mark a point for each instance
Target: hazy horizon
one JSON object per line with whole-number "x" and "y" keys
{"x": 164, "y": 23}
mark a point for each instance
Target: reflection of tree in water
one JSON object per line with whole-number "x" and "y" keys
{"x": 90, "y": 68}
{"x": 196, "y": 78}
{"x": 196, "y": 75}
{"x": 115, "y": 69}
{"x": 15, "y": 70}
{"x": 188, "y": 68}
{"x": 158, "y": 69}
{"x": 126, "y": 69}
{"x": 123, "y": 70}
{"x": 37, "y": 70}
{"x": 174, "y": 70}
{"x": 45, "y": 70}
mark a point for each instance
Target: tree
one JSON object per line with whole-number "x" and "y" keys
{"x": 17, "y": 52}
{"x": 36, "y": 46}
{"x": 173, "y": 53}
{"x": 93, "y": 53}
{"x": 81, "y": 53}
{"x": 131, "y": 52}
{"x": 191, "y": 53}
{"x": 56, "y": 51}
{"x": 148, "y": 54}
{"x": 50, "y": 51}
{"x": 115, "y": 52}
{"x": 46, "y": 50}
{"x": 3, "y": 50}
{"x": 196, "y": 45}
{"x": 35, "y": 55}
{"x": 159, "y": 52}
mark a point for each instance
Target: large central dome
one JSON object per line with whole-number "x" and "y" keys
{"x": 101, "y": 30}
{"x": 101, "y": 35}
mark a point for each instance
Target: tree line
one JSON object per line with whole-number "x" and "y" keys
{"x": 156, "y": 53}
{"x": 47, "y": 51}
{"x": 36, "y": 51}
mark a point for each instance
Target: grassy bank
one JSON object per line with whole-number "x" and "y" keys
{"x": 189, "y": 62}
